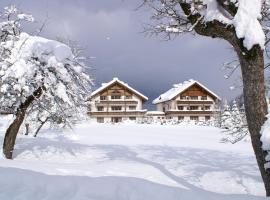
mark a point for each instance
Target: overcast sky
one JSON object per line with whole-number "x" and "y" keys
{"x": 110, "y": 32}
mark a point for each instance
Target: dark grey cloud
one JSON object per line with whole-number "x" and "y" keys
{"x": 111, "y": 30}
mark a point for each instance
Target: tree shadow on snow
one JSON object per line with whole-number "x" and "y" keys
{"x": 25, "y": 185}
{"x": 199, "y": 162}
{"x": 41, "y": 145}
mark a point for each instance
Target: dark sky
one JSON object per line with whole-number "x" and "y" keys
{"x": 111, "y": 33}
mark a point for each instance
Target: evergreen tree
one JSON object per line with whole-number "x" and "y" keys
{"x": 237, "y": 126}
{"x": 226, "y": 120}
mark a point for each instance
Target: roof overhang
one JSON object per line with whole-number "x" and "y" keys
{"x": 117, "y": 81}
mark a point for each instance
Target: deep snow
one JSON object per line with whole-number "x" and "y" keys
{"x": 130, "y": 162}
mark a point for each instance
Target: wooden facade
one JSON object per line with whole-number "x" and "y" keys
{"x": 116, "y": 100}
{"x": 195, "y": 102}
{"x": 195, "y": 90}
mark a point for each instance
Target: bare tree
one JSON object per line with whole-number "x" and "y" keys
{"x": 222, "y": 19}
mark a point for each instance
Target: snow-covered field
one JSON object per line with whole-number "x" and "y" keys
{"x": 129, "y": 162}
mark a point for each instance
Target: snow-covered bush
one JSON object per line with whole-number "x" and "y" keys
{"x": 42, "y": 73}
{"x": 265, "y": 139}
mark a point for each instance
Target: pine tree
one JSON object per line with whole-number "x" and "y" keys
{"x": 237, "y": 127}
{"x": 226, "y": 120}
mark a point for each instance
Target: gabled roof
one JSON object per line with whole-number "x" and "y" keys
{"x": 179, "y": 88}
{"x": 116, "y": 80}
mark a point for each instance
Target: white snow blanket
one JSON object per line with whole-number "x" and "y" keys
{"x": 129, "y": 162}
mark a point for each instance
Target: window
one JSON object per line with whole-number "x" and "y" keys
{"x": 207, "y": 108}
{"x": 180, "y": 118}
{"x": 193, "y": 108}
{"x": 194, "y": 118}
{"x": 207, "y": 118}
{"x": 115, "y": 97}
{"x": 100, "y": 108}
{"x": 128, "y": 97}
{"x": 182, "y": 97}
{"x": 180, "y": 107}
{"x": 132, "y": 107}
{"x": 163, "y": 109}
{"x": 100, "y": 119}
{"x": 102, "y": 98}
{"x": 116, "y": 119}
{"x": 132, "y": 118}
{"x": 194, "y": 97}
{"x": 116, "y": 108}
{"x": 204, "y": 98}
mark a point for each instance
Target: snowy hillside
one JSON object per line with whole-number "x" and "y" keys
{"x": 130, "y": 162}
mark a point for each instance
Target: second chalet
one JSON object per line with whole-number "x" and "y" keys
{"x": 188, "y": 101}
{"x": 115, "y": 102}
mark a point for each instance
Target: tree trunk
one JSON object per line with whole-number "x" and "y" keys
{"x": 27, "y": 129}
{"x": 11, "y": 134}
{"x": 252, "y": 66}
{"x": 40, "y": 126}
{"x": 13, "y": 129}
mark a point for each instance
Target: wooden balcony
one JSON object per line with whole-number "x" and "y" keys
{"x": 116, "y": 102}
{"x": 118, "y": 113}
{"x": 190, "y": 112}
{"x": 197, "y": 102}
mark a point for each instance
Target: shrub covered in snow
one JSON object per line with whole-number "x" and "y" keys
{"x": 38, "y": 74}
{"x": 265, "y": 138}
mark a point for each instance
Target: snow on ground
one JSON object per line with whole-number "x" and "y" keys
{"x": 129, "y": 162}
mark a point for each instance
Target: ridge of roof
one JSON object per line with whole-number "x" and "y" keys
{"x": 178, "y": 88}
{"x": 116, "y": 80}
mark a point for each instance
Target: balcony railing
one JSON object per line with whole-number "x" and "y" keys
{"x": 116, "y": 101}
{"x": 194, "y": 102}
{"x": 190, "y": 111}
{"x": 119, "y": 112}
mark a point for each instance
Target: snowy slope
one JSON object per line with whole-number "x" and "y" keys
{"x": 130, "y": 162}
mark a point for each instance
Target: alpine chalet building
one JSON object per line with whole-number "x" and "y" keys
{"x": 189, "y": 100}
{"x": 115, "y": 102}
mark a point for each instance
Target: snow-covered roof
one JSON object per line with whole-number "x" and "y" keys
{"x": 178, "y": 88}
{"x": 116, "y": 80}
